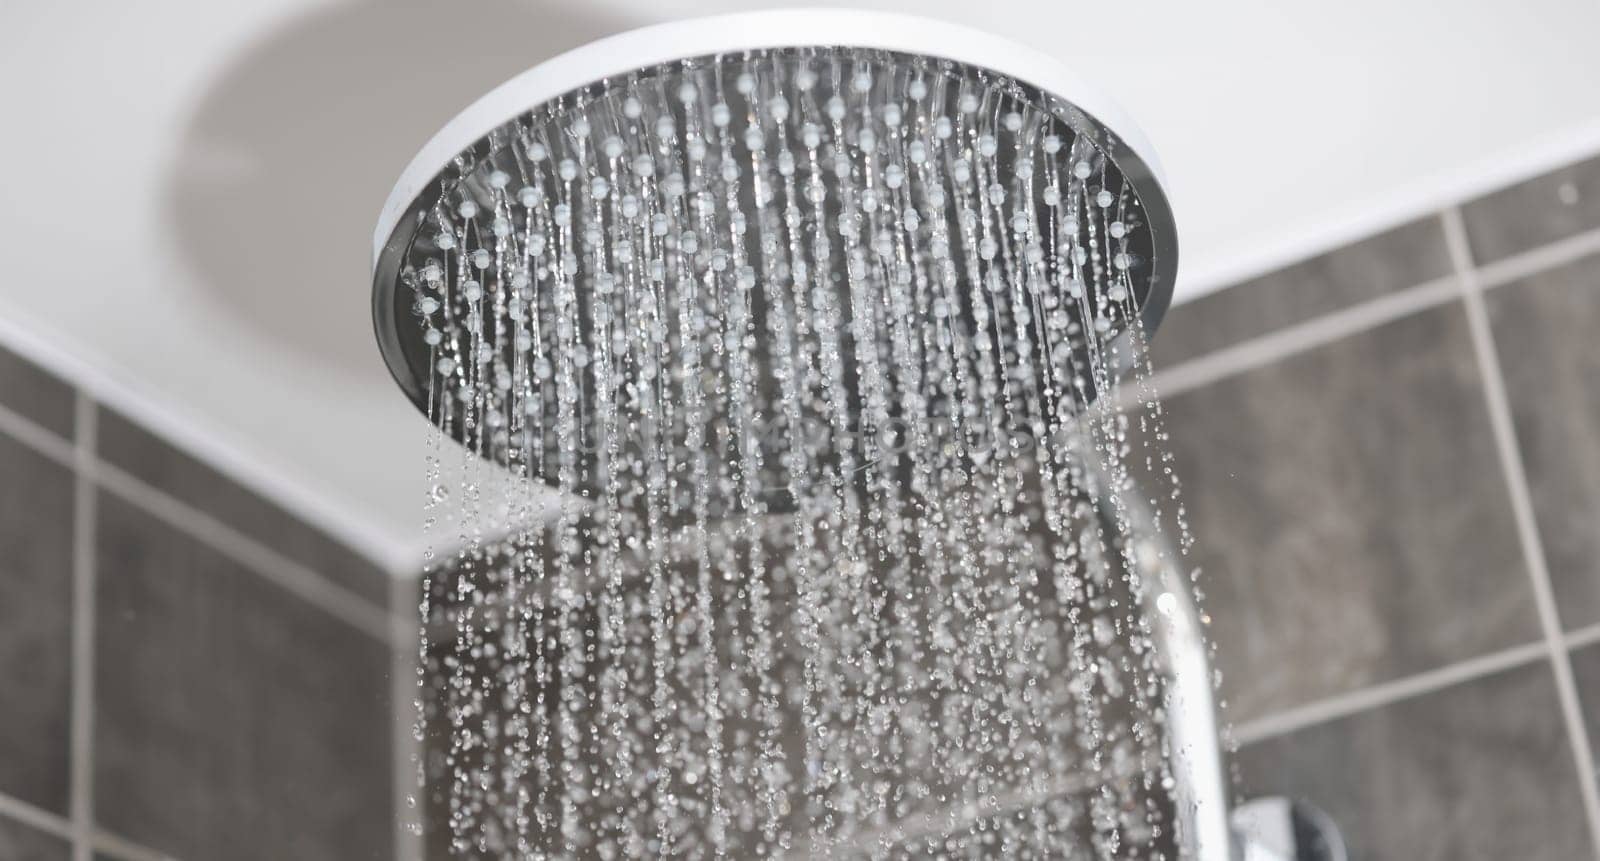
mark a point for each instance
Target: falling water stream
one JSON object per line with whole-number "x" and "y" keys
{"x": 799, "y": 396}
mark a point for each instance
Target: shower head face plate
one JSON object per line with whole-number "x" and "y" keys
{"x": 782, "y": 212}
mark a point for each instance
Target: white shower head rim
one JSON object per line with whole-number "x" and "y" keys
{"x": 1080, "y": 105}
{"x": 751, "y": 31}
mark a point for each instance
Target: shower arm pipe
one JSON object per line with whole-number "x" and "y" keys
{"x": 1195, "y": 754}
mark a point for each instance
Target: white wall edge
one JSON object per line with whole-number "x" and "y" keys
{"x": 1424, "y": 197}
{"x": 79, "y": 366}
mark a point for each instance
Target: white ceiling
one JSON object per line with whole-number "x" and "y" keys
{"x": 189, "y": 186}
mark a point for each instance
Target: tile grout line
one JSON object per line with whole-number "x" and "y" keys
{"x": 1274, "y": 345}
{"x": 247, "y": 551}
{"x": 81, "y": 717}
{"x": 263, "y": 560}
{"x": 1300, "y": 337}
{"x": 17, "y": 810}
{"x": 1588, "y": 635}
{"x": 1505, "y": 435}
{"x": 1386, "y": 693}
{"x": 35, "y": 817}
{"x": 125, "y": 850}
{"x": 61, "y": 355}
{"x": 1551, "y": 255}
{"x": 34, "y": 436}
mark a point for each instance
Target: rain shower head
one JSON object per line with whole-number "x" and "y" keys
{"x": 817, "y": 169}
{"x": 816, "y": 321}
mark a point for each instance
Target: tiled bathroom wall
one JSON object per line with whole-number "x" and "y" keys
{"x": 1391, "y": 461}
{"x": 187, "y": 670}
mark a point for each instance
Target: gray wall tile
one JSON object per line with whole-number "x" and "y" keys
{"x": 234, "y": 720}
{"x": 1481, "y": 770}
{"x": 1546, "y": 329}
{"x": 35, "y": 393}
{"x": 19, "y": 842}
{"x": 1586, "y": 673}
{"x": 144, "y": 455}
{"x": 1403, "y": 257}
{"x": 1532, "y": 213}
{"x": 1351, "y": 521}
{"x": 35, "y": 625}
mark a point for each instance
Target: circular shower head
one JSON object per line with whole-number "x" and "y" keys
{"x": 784, "y": 154}
{"x": 826, "y": 311}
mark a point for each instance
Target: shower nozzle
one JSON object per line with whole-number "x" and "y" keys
{"x": 782, "y": 177}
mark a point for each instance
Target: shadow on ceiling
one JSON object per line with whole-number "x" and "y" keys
{"x": 286, "y": 163}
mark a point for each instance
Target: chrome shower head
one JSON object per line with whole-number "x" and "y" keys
{"x": 785, "y": 174}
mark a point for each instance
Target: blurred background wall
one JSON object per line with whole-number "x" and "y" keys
{"x": 187, "y": 670}
{"x": 1391, "y": 458}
